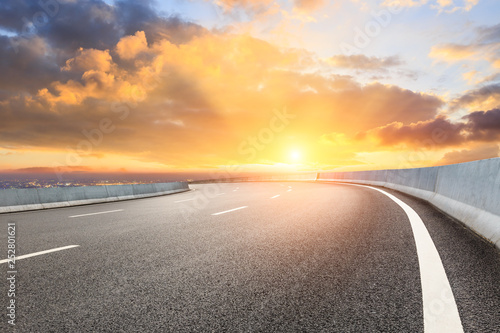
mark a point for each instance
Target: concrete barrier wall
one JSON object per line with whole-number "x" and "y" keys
{"x": 469, "y": 192}
{"x": 17, "y": 200}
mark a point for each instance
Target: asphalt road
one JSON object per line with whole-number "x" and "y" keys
{"x": 244, "y": 257}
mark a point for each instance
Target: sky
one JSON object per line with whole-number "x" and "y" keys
{"x": 247, "y": 85}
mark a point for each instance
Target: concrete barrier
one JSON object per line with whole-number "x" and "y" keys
{"x": 120, "y": 192}
{"x": 469, "y": 192}
{"x": 17, "y": 200}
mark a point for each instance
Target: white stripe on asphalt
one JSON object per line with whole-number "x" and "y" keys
{"x": 231, "y": 210}
{"x": 440, "y": 309}
{"x": 109, "y": 211}
{"x": 40, "y": 253}
{"x": 275, "y": 196}
{"x": 289, "y": 190}
{"x": 184, "y": 200}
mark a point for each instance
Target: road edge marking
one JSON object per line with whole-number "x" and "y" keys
{"x": 439, "y": 305}
{"x": 106, "y": 212}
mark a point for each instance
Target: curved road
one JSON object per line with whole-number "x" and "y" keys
{"x": 247, "y": 257}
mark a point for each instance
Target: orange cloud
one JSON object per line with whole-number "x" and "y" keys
{"x": 467, "y": 155}
{"x": 309, "y": 5}
{"x": 452, "y": 52}
{"x": 205, "y": 96}
{"x": 251, "y": 5}
{"x": 130, "y": 46}
{"x": 90, "y": 59}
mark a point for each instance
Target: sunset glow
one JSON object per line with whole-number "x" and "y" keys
{"x": 202, "y": 85}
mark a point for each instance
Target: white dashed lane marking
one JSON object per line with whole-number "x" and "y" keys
{"x": 40, "y": 253}
{"x": 231, "y": 210}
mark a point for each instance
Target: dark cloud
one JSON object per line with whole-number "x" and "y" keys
{"x": 484, "y": 125}
{"x": 436, "y": 132}
{"x": 478, "y": 126}
{"x": 47, "y": 36}
{"x": 36, "y": 170}
{"x": 16, "y": 15}
{"x": 475, "y": 96}
{"x": 91, "y": 23}
{"x": 31, "y": 67}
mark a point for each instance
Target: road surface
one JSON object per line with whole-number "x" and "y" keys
{"x": 246, "y": 257}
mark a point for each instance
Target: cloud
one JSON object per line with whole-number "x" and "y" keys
{"x": 35, "y": 170}
{"x": 470, "y": 76}
{"x": 404, "y": 3}
{"x": 468, "y": 155}
{"x": 150, "y": 89}
{"x": 483, "y": 125}
{"x": 439, "y": 132}
{"x": 448, "y": 6}
{"x": 485, "y": 97}
{"x": 478, "y": 126}
{"x": 33, "y": 57}
{"x": 486, "y": 46}
{"x": 251, "y": 6}
{"x": 130, "y": 46}
{"x": 220, "y": 87}
{"x": 489, "y": 34}
{"x": 453, "y": 52}
{"x": 264, "y": 7}
{"x": 490, "y": 78}
{"x": 32, "y": 66}
{"x": 309, "y": 5}
{"x": 90, "y": 59}
{"x": 363, "y": 62}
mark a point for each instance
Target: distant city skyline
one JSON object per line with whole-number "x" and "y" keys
{"x": 207, "y": 87}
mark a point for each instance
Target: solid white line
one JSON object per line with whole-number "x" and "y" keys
{"x": 275, "y": 196}
{"x": 184, "y": 200}
{"x": 109, "y": 211}
{"x": 231, "y": 210}
{"x": 40, "y": 253}
{"x": 289, "y": 190}
{"x": 440, "y": 309}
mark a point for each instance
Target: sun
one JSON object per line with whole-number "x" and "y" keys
{"x": 295, "y": 155}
